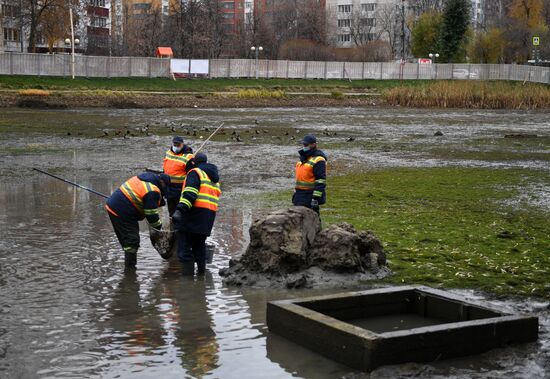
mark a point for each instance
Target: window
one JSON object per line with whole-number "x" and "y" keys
{"x": 227, "y": 16}
{"x": 97, "y": 3}
{"x": 228, "y": 5}
{"x": 368, "y": 21}
{"x": 165, "y": 9}
{"x": 345, "y": 8}
{"x": 344, "y": 23}
{"x": 369, "y": 7}
{"x": 99, "y": 22}
{"x": 344, "y": 37}
{"x": 145, "y": 6}
{"x": 11, "y": 35}
{"x": 9, "y": 10}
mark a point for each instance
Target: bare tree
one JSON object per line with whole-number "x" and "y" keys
{"x": 388, "y": 19}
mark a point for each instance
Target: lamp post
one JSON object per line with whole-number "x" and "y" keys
{"x": 434, "y": 57}
{"x": 256, "y": 51}
{"x": 72, "y": 41}
{"x": 403, "y": 30}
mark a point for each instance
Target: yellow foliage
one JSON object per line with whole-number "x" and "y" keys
{"x": 33, "y": 92}
{"x": 260, "y": 94}
{"x": 527, "y": 11}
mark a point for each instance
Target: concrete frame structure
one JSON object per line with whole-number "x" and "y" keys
{"x": 457, "y": 328}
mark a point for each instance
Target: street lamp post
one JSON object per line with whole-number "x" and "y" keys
{"x": 256, "y": 51}
{"x": 72, "y": 41}
{"x": 434, "y": 57}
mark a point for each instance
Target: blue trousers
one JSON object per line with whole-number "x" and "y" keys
{"x": 191, "y": 247}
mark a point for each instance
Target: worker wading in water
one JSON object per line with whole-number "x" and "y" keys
{"x": 311, "y": 175}
{"x": 175, "y": 165}
{"x": 195, "y": 214}
{"x": 136, "y": 199}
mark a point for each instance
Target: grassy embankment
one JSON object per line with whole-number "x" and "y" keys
{"x": 197, "y": 85}
{"x": 450, "y": 227}
{"x": 408, "y": 93}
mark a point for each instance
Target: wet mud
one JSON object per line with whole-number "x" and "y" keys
{"x": 155, "y": 101}
{"x": 67, "y": 309}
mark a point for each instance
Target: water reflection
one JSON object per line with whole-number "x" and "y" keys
{"x": 173, "y": 315}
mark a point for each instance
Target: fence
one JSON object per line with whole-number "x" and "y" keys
{"x": 110, "y": 67}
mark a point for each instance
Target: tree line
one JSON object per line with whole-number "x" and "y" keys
{"x": 303, "y": 29}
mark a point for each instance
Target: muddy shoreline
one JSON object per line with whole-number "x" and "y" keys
{"x": 129, "y": 101}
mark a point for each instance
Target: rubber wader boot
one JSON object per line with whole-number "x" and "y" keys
{"x": 130, "y": 259}
{"x": 188, "y": 268}
{"x": 201, "y": 267}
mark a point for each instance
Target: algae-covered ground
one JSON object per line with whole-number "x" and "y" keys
{"x": 452, "y": 227}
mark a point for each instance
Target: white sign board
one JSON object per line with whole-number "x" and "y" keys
{"x": 189, "y": 67}
{"x": 424, "y": 61}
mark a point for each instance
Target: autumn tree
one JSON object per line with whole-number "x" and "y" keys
{"x": 488, "y": 47}
{"x": 425, "y": 34}
{"x": 527, "y": 19}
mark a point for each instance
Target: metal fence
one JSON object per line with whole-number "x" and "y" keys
{"x": 110, "y": 67}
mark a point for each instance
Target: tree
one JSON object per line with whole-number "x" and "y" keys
{"x": 488, "y": 47}
{"x": 456, "y": 18}
{"x": 34, "y": 13}
{"x": 425, "y": 34}
{"x": 387, "y": 18}
{"x": 55, "y": 22}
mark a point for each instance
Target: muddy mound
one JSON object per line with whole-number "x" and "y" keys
{"x": 288, "y": 249}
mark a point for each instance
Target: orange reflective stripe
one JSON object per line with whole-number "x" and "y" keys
{"x": 175, "y": 166}
{"x": 209, "y": 192}
{"x": 305, "y": 179}
{"x": 110, "y": 210}
{"x": 135, "y": 189}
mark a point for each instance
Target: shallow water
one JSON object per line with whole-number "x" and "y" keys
{"x": 68, "y": 310}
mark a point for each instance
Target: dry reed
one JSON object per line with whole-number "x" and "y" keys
{"x": 467, "y": 94}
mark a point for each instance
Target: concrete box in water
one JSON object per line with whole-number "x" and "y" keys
{"x": 372, "y": 328}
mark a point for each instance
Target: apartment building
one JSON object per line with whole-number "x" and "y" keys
{"x": 356, "y": 22}
{"x": 92, "y": 28}
{"x": 11, "y": 32}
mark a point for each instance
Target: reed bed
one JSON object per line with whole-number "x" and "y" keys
{"x": 33, "y": 92}
{"x": 469, "y": 94}
{"x": 261, "y": 94}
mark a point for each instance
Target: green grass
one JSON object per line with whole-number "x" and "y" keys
{"x": 196, "y": 85}
{"x": 449, "y": 227}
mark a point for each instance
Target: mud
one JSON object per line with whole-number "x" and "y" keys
{"x": 288, "y": 249}
{"x": 68, "y": 310}
{"x": 156, "y": 101}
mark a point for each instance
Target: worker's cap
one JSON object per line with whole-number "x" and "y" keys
{"x": 177, "y": 139}
{"x": 165, "y": 178}
{"x": 308, "y": 139}
{"x": 201, "y": 158}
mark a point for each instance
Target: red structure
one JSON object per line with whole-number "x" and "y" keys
{"x": 233, "y": 15}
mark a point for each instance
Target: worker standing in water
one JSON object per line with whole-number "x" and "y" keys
{"x": 195, "y": 214}
{"x": 175, "y": 165}
{"x": 139, "y": 197}
{"x": 311, "y": 175}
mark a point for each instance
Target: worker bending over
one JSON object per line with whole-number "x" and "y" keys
{"x": 136, "y": 199}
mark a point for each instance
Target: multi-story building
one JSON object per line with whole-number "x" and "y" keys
{"x": 92, "y": 29}
{"x": 356, "y": 22}
{"x": 96, "y": 27}
{"x": 10, "y": 26}
{"x": 233, "y": 14}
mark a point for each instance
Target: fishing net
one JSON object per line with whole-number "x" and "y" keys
{"x": 163, "y": 241}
